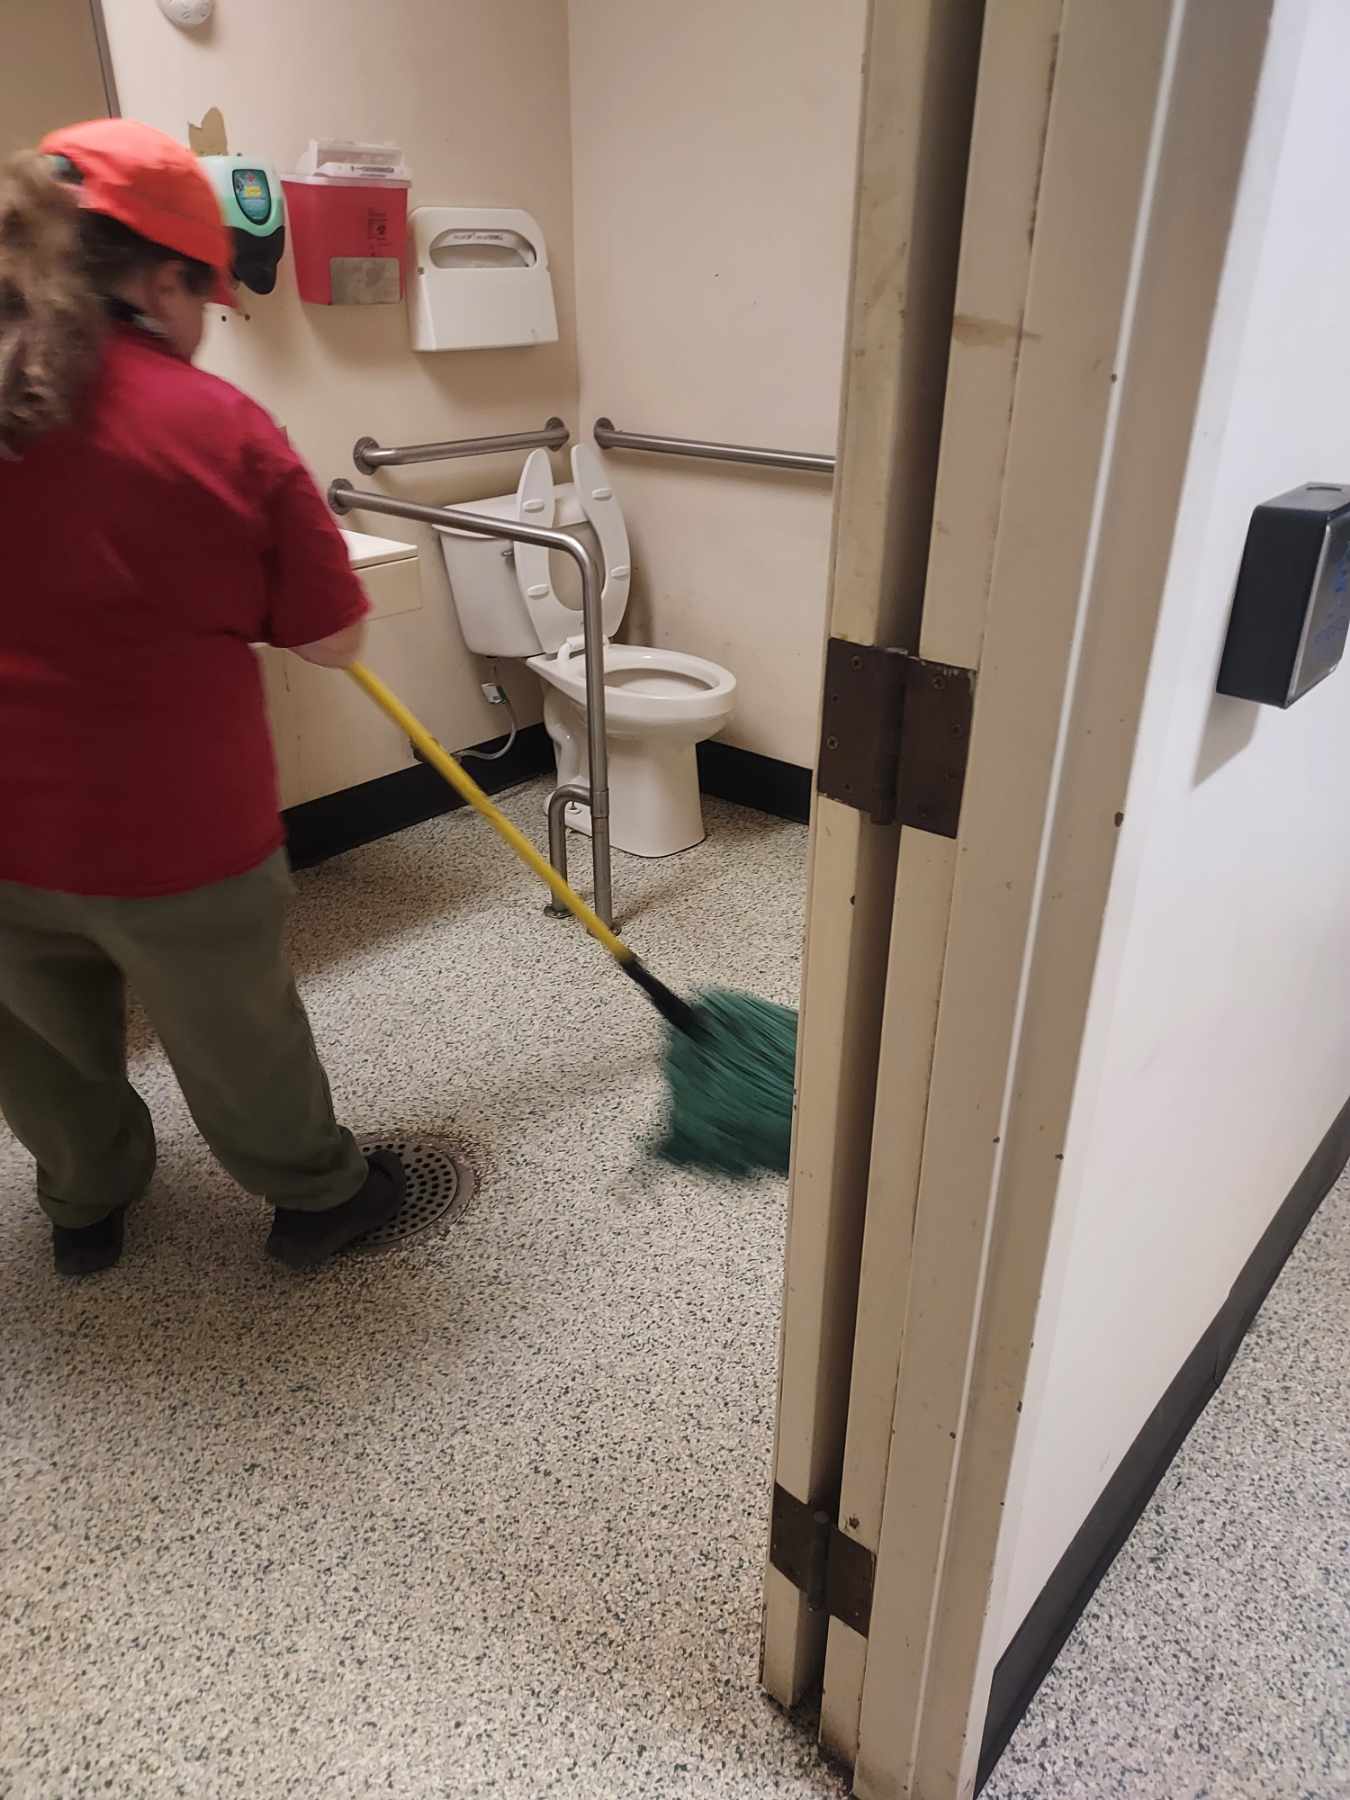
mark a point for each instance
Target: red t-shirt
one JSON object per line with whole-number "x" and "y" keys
{"x": 143, "y": 550}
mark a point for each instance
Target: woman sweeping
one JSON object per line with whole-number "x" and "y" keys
{"x": 156, "y": 525}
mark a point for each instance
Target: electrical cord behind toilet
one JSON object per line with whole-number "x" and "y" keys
{"x": 489, "y": 688}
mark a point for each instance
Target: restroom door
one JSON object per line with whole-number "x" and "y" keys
{"x": 1104, "y": 157}
{"x": 918, "y": 92}
{"x": 981, "y": 359}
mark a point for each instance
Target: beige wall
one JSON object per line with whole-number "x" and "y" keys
{"x": 49, "y": 69}
{"x": 714, "y": 149}
{"x": 714, "y": 164}
{"x": 1218, "y": 1046}
{"x": 477, "y": 95}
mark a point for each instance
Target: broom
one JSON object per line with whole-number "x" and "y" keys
{"x": 730, "y": 1058}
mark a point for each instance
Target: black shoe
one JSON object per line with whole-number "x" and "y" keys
{"x": 302, "y": 1240}
{"x": 86, "y": 1250}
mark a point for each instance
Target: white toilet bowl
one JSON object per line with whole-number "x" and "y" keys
{"x": 659, "y": 704}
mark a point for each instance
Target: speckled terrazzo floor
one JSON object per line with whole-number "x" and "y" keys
{"x": 1213, "y": 1662}
{"x": 484, "y": 1516}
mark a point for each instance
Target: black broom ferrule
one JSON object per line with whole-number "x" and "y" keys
{"x": 672, "y": 1008}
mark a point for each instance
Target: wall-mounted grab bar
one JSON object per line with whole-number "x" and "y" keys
{"x": 344, "y": 498}
{"x": 368, "y": 455}
{"x": 609, "y": 437}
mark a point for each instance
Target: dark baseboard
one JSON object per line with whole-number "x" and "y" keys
{"x": 358, "y": 815}
{"x": 1041, "y": 1636}
{"x": 749, "y": 779}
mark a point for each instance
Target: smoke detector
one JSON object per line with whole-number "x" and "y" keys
{"x": 187, "y": 13}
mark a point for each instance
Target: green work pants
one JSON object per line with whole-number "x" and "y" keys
{"x": 210, "y": 969}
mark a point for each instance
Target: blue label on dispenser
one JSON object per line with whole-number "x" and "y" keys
{"x": 253, "y": 194}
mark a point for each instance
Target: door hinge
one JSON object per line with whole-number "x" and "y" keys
{"x": 834, "y": 1572}
{"x": 894, "y": 735}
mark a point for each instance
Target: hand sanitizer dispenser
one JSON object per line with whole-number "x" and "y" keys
{"x": 250, "y": 203}
{"x": 479, "y": 280}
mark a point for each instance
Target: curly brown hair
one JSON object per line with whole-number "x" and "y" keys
{"x": 59, "y": 265}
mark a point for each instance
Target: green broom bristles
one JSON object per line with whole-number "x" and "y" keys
{"x": 730, "y": 1084}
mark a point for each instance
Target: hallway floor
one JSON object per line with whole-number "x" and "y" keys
{"x": 484, "y": 1515}
{"x": 1213, "y": 1662}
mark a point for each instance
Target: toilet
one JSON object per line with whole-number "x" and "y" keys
{"x": 523, "y": 601}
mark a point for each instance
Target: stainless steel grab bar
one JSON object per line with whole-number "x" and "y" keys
{"x": 558, "y": 802}
{"x": 344, "y": 498}
{"x": 609, "y": 437}
{"x": 369, "y": 455}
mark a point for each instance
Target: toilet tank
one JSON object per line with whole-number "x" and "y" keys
{"x": 492, "y": 612}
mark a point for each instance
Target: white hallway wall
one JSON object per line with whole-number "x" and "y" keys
{"x": 1218, "y": 1046}
{"x": 714, "y": 151}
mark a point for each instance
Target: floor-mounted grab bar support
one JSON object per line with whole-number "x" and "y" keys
{"x": 609, "y": 437}
{"x": 344, "y": 498}
{"x": 558, "y": 802}
{"x": 368, "y": 455}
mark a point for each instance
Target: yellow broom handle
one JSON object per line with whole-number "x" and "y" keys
{"x": 469, "y": 791}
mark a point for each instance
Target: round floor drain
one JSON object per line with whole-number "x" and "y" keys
{"x": 439, "y": 1190}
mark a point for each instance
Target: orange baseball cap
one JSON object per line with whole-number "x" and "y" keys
{"x": 153, "y": 185}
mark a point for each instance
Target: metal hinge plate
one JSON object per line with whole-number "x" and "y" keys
{"x": 894, "y": 735}
{"x": 834, "y": 1572}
